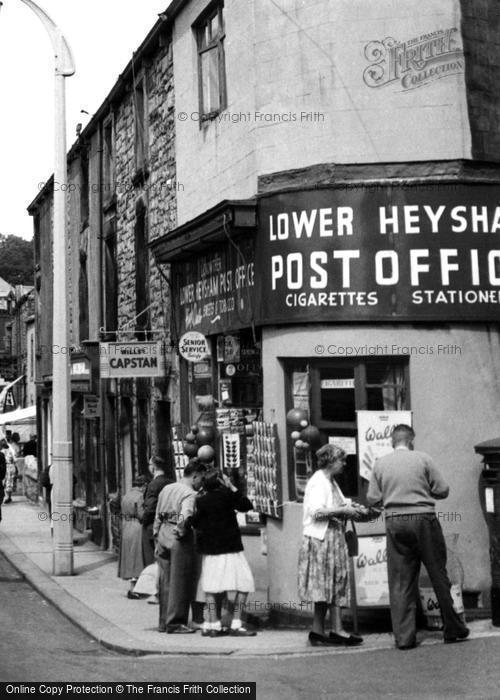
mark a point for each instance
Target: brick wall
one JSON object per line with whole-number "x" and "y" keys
{"x": 481, "y": 39}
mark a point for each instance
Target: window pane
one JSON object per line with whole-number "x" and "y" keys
{"x": 390, "y": 395}
{"x": 210, "y": 80}
{"x": 337, "y": 394}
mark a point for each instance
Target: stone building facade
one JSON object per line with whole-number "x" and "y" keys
{"x": 121, "y": 194}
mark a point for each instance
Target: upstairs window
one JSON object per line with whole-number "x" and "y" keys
{"x": 141, "y": 143}
{"x": 211, "y": 65}
{"x": 108, "y": 160}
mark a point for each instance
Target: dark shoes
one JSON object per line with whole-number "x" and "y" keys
{"x": 223, "y": 632}
{"x": 179, "y": 629}
{"x": 459, "y": 638}
{"x": 319, "y": 640}
{"x": 351, "y": 641}
{"x": 405, "y": 647}
{"x": 133, "y": 596}
{"x": 241, "y": 632}
{"x": 8, "y": 500}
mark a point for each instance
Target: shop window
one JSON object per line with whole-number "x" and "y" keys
{"x": 83, "y": 294}
{"x": 210, "y": 35}
{"x": 332, "y": 392}
{"x": 110, "y": 278}
{"x": 126, "y": 442}
{"x": 143, "y": 436}
{"x": 163, "y": 434}
{"x": 110, "y": 443}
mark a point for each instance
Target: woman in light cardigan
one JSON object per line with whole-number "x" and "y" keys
{"x": 323, "y": 559}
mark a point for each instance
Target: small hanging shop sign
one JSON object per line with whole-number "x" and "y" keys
{"x": 131, "y": 360}
{"x": 193, "y": 346}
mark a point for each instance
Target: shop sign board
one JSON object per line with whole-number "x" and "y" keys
{"x": 136, "y": 359}
{"x": 375, "y": 436}
{"x": 214, "y": 291}
{"x": 370, "y": 572}
{"x": 193, "y": 346}
{"x": 382, "y": 253}
{"x": 91, "y": 406}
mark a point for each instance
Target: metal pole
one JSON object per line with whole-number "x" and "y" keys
{"x": 62, "y": 466}
{"x": 61, "y": 394}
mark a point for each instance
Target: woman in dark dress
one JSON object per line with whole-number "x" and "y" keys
{"x": 218, "y": 539}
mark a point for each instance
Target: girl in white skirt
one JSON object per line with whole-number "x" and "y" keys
{"x": 224, "y": 566}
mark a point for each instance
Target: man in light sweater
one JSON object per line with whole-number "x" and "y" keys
{"x": 177, "y": 561}
{"x": 406, "y": 482}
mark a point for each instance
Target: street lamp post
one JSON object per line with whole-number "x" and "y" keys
{"x": 62, "y": 466}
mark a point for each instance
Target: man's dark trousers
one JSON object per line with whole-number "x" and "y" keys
{"x": 412, "y": 539}
{"x": 177, "y": 582}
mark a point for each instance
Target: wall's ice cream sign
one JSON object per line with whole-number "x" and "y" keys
{"x": 415, "y": 62}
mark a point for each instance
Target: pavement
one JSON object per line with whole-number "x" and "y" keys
{"x": 95, "y": 599}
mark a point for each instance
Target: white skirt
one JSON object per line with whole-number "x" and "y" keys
{"x": 226, "y": 572}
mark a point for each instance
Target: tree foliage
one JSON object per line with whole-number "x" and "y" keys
{"x": 16, "y": 260}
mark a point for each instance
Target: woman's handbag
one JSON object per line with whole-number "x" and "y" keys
{"x": 351, "y": 538}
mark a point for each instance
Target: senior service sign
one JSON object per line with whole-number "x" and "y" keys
{"x": 423, "y": 252}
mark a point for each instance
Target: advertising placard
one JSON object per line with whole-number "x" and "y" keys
{"x": 375, "y": 436}
{"x": 215, "y": 290}
{"x": 193, "y": 346}
{"x": 134, "y": 359}
{"x": 370, "y": 572}
{"x": 386, "y": 253}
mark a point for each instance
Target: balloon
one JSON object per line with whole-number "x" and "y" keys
{"x": 295, "y": 435}
{"x": 294, "y": 416}
{"x": 205, "y": 436}
{"x": 194, "y": 428}
{"x": 304, "y": 423}
{"x": 190, "y": 449}
{"x": 311, "y": 435}
{"x": 190, "y": 437}
{"x": 206, "y": 453}
{"x": 299, "y": 444}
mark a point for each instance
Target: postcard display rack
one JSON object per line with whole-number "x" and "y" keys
{"x": 180, "y": 459}
{"x": 263, "y": 469}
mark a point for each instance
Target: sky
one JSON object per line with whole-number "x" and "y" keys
{"x": 102, "y": 35}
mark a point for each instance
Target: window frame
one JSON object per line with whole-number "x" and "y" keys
{"x": 200, "y": 27}
{"x": 108, "y": 159}
{"x": 140, "y": 125}
{"x": 361, "y": 386}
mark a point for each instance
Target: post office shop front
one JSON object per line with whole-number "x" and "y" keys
{"x": 381, "y": 304}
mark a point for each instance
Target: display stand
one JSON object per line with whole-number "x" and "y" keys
{"x": 264, "y": 470}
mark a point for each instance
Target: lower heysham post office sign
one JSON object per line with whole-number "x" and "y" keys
{"x": 131, "y": 360}
{"x": 419, "y": 252}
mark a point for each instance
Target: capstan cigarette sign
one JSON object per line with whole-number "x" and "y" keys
{"x": 383, "y": 253}
{"x": 131, "y": 360}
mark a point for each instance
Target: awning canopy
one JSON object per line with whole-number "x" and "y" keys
{"x": 19, "y": 416}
